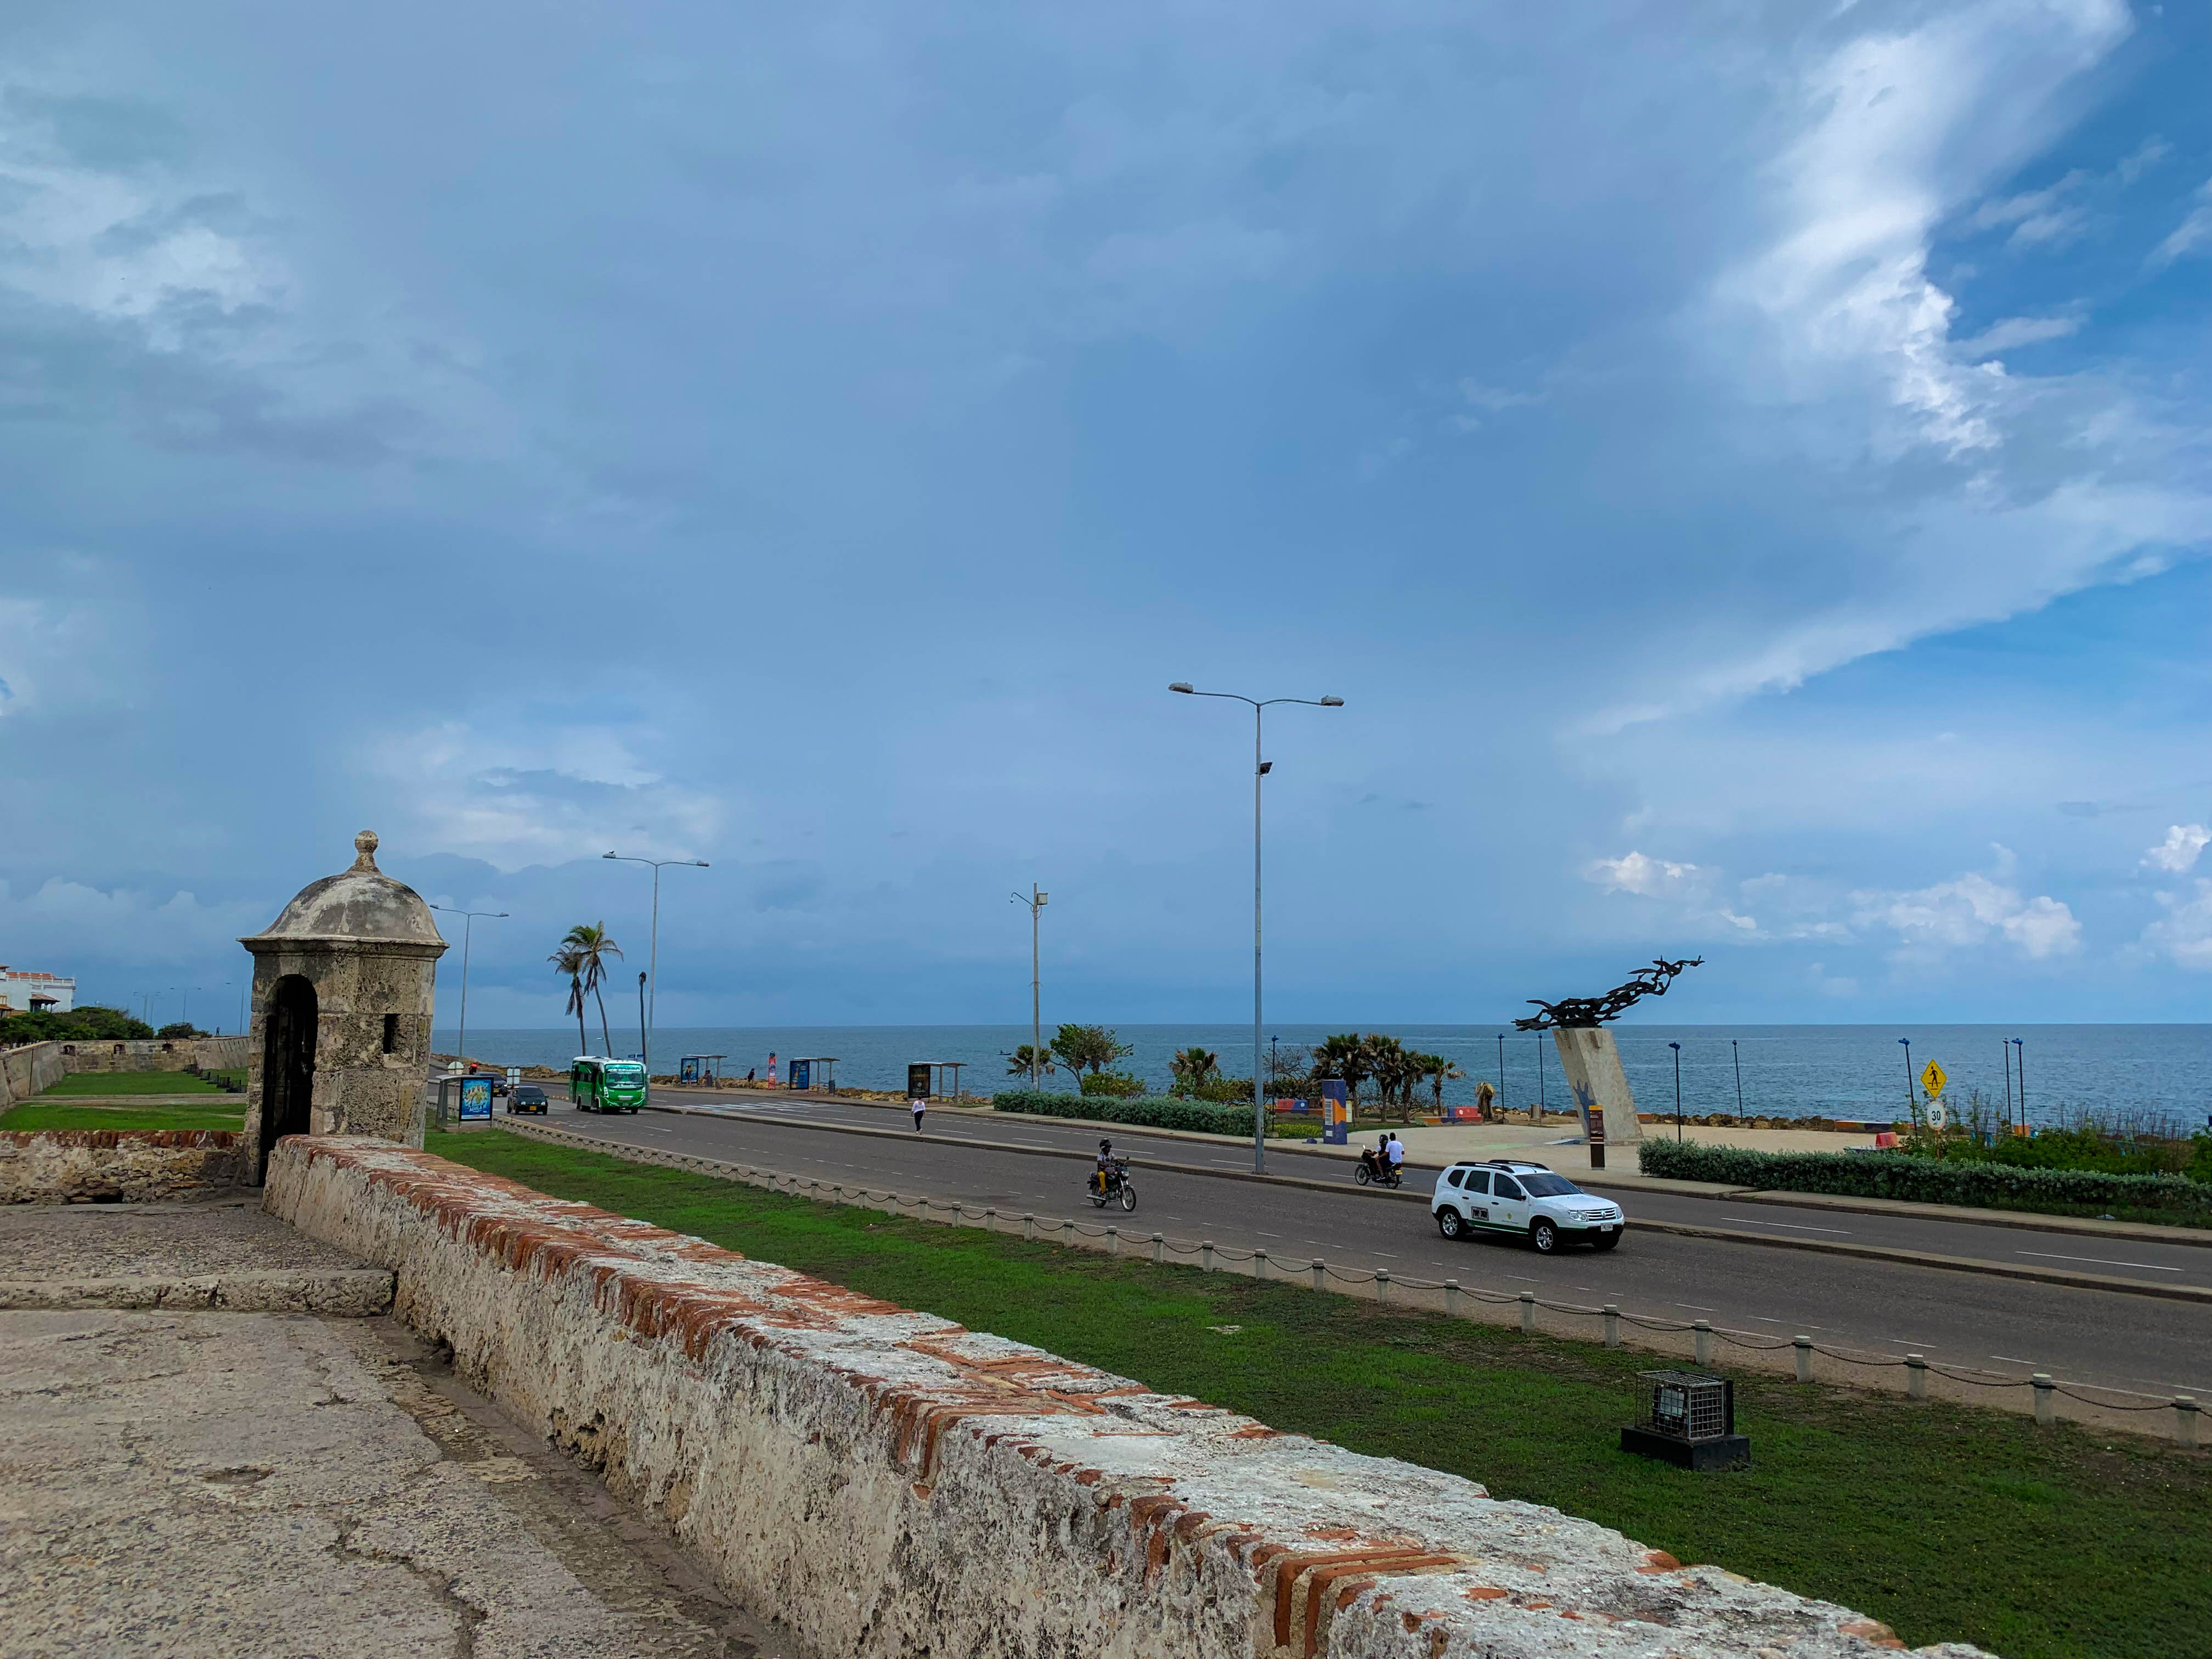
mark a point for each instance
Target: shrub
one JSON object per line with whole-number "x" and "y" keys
{"x": 1147, "y": 1111}
{"x": 1110, "y": 1084}
{"x": 89, "y": 1024}
{"x": 1925, "y": 1180}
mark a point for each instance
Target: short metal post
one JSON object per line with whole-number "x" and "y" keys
{"x": 1320, "y": 1271}
{"x": 1528, "y": 1313}
{"x": 1915, "y": 1377}
{"x": 1611, "y": 1325}
{"x": 991, "y": 1219}
{"x": 1258, "y": 1262}
{"x": 1205, "y": 1256}
{"x": 1804, "y": 1346}
{"x": 1159, "y": 1247}
{"x": 1381, "y": 1283}
{"x": 1113, "y": 1241}
{"x": 1029, "y": 1226}
{"x": 2184, "y": 1421}
{"x": 1451, "y": 1298}
{"x": 2046, "y": 1399}
{"x": 1703, "y": 1327}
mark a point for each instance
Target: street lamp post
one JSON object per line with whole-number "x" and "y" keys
{"x": 2020, "y": 1066}
{"x": 1736, "y": 1054}
{"x": 1677, "y": 1047}
{"x": 652, "y": 1002}
{"x": 1910, "y": 1107}
{"x": 1260, "y": 767}
{"x": 1036, "y": 901}
{"x": 468, "y": 923}
{"x": 1501, "y": 1075}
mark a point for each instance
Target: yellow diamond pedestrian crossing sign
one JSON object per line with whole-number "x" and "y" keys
{"x": 1934, "y": 1078}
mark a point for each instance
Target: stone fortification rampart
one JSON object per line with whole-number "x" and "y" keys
{"x": 135, "y": 1166}
{"x": 37, "y": 1067}
{"x": 886, "y": 1482}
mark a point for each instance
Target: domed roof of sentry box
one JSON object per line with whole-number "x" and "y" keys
{"x": 361, "y": 903}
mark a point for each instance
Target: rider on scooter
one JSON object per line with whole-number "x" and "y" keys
{"x": 1376, "y": 1157}
{"x": 1105, "y": 1163}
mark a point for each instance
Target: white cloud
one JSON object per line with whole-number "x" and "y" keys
{"x": 2193, "y": 233}
{"x": 1650, "y": 878}
{"x": 2042, "y": 215}
{"x": 2178, "y": 853}
{"x": 1969, "y": 911}
{"x": 2019, "y": 331}
{"x": 2185, "y": 934}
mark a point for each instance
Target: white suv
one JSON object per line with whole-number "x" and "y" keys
{"x": 1503, "y": 1195}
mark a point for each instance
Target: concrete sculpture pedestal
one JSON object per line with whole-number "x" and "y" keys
{"x": 1592, "y": 1065}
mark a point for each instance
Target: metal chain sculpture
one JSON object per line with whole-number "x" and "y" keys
{"x": 1587, "y": 1012}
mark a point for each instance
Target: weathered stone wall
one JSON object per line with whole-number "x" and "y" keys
{"x": 889, "y": 1483}
{"x": 137, "y": 1166}
{"x": 30, "y": 1070}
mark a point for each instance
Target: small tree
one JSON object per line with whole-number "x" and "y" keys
{"x": 1194, "y": 1067}
{"x": 1088, "y": 1048}
{"x": 182, "y": 1028}
{"x": 1439, "y": 1071}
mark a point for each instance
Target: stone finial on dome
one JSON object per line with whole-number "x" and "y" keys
{"x": 364, "y": 847}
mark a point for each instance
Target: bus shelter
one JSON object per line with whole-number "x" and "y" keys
{"x": 934, "y": 1071}
{"x": 704, "y": 1070}
{"x": 802, "y": 1073}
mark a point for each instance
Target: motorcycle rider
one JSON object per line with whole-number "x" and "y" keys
{"x": 1396, "y": 1154}
{"x": 1375, "y": 1156}
{"x": 1105, "y": 1165}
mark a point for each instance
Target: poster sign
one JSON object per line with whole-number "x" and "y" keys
{"x": 1336, "y": 1115}
{"x": 917, "y": 1081}
{"x": 476, "y": 1098}
{"x": 687, "y": 1071}
{"x": 802, "y": 1073}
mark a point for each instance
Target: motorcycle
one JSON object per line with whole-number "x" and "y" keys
{"x": 1112, "y": 1185}
{"x": 1374, "y": 1171}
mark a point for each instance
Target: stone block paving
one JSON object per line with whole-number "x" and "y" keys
{"x": 283, "y": 1485}
{"x": 222, "y": 1255}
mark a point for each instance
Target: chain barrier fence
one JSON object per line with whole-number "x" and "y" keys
{"x": 1700, "y": 1339}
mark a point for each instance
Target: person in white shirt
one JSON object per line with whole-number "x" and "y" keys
{"x": 1395, "y": 1151}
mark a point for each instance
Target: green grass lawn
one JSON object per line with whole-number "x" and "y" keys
{"x": 38, "y": 1114}
{"x": 1947, "y": 1522}
{"x": 131, "y": 1083}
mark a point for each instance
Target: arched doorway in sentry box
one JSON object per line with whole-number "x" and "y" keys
{"x": 288, "y": 1063}
{"x": 343, "y": 984}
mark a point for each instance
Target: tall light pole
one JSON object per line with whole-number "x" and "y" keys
{"x": 645, "y": 1014}
{"x": 1036, "y": 900}
{"x": 1260, "y": 769}
{"x": 1677, "y": 1047}
{"x": 468, "y": 922}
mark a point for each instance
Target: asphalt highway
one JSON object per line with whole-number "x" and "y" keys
{"x": 2148, "y": 1346}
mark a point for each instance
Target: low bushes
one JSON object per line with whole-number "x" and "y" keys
{"x": 1147, "y": 1111}
{"x": 1928, "y": 1180}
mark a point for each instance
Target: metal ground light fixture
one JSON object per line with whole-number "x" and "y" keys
{"x": 1260, "y": 767}
{"x": 1686, "y": 1419}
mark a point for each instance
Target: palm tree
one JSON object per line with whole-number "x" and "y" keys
{"x": 1017, "y": 1063}
{"x": 1344, "y": 1058}
{"x": 1193, "y": 1066}
{"x": 1392, "y": 1067}
{"x": 566, "y": 961}
{"x": 592, "y": 946}
{"x": 1439, "y": 1071}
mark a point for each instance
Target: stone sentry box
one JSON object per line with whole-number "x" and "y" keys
{"x": 343, "y": 985}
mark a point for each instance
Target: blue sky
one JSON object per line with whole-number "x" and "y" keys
{"x": 1745, "y": 468}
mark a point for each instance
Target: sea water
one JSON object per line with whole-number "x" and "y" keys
{"x": 1781, "y": 1071}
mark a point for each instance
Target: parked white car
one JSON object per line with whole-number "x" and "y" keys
{"x": 1504, "y": 1195}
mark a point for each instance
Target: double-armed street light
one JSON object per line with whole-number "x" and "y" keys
{"x": 1260, "y": 767}
{"x": 468, "y": 923}
{"x": 1035, "y": 900}
{"x": 650, "y": 1001}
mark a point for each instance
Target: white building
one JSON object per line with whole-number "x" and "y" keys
{"x": 23, "y": 990}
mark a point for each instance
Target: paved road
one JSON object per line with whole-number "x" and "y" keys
{"x": 2151, "y": 1345}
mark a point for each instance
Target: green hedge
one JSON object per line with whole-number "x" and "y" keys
{"x": 1924, "y": 1180}
{"x": 1147, "y": 1111}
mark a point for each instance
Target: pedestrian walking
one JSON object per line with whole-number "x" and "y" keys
{"x": 916, "y": 1107}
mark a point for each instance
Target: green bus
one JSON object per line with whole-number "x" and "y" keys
{"x": 607, "y": 1086}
